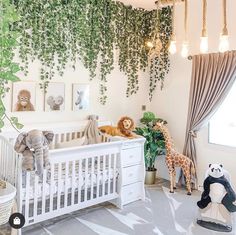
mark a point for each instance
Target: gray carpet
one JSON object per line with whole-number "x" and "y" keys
{"x": 162, "y": 213}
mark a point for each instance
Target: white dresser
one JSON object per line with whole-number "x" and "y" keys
{"x": 132, "y": 172}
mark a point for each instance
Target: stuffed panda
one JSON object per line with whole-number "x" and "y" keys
{"x": 217, "y": 189}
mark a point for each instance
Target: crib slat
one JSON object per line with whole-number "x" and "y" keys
{"x": 80, "y": 181}
{"x": 98, "y": 175}
{"x": 35, "y": 210}
{"x": 59, "y": 179}
{"x": 103, "y": 175}
{"x": 109, "y": 173}
{"x": 44, "y": 191}
{"x": 27, "y": 190}
{"x": 7, "y": 161}
{"x": 4, "y": 162}
{"x": 86, "y": 180}
{"x": 66, "y": 183}
{"x": 51, "y": 188}
{"x": 92, "y": 177}
{"x": 73, "y": 184}
{"x": 114, "y": 173}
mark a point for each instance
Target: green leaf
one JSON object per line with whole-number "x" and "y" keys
{"x": 19, "y": 125}
{"x": 14, "y": 120}
{"x": 1, "y": 124}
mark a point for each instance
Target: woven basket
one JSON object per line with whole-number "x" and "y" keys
{"x": 5, "y": 211}
{"x": 7, "y": 196}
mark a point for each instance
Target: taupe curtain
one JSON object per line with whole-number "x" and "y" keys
{"x": 212, "y": 77}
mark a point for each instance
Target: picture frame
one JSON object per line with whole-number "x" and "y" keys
{"x": 54, "y": 98}
{"x": 23, "y": 96}
{"x": 80, "y": 97}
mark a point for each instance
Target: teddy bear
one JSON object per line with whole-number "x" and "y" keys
{"x": 217, "y": 189}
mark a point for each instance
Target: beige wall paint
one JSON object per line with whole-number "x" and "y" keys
{"x": 172, "y": 102}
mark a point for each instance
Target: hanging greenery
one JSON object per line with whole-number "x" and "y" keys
{"x": 8, "y": 68}
{"x": 159, "y": 65}
{"x": 58, "y": 32}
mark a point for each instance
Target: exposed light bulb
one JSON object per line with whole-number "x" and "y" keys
{"x": 184, "y": 51}
{"x": 224, "y": 43}
{"x": 204, "y": 45}
{"x": 172, "y": 47}
{"x": 149, "y": 44}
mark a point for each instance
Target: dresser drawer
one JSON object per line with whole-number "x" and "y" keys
{"x": 132, "y": 192}
{"x": 131, "y": 156}
{"x": 132, "y": 174}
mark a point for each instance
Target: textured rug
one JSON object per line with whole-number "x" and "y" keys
{"x": 162, "y": 213}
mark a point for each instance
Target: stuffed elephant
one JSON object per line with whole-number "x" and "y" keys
{"x": 34, "y": 147}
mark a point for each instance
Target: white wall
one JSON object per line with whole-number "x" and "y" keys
{"x": 172, "y": 102}
{"x": 117, "y": 103}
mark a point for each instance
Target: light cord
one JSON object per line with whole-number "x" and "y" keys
{"x": 225, "y": 30}
{"x": 204, "y": 10}
{"x": 186, "y": 20}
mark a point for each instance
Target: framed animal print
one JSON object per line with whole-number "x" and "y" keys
{"x": 23, "y": 96}
{"x": 54, "y": 98}
{"x": 80, "y": 99}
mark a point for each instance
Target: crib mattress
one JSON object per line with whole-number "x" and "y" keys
{"x": 60, "y": 185}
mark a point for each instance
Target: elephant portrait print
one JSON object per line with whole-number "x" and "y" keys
{"x": 23, "y": 96}
{"x": 55, "y": 97}
{"x": 80, "y": 97}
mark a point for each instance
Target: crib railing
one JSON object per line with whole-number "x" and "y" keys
{"x": 78, "y": 177}
{"x": 10, "y": 162}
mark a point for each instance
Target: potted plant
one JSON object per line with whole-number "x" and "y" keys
{"x": 153, "y": 146}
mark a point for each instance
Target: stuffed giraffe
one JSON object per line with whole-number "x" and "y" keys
{"x": 174, "y": 158}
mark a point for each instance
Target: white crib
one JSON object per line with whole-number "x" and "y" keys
{"x": 79, "y": 177}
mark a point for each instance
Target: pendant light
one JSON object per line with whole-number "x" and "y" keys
{"x": 185, "y": 45}
{"x": 224, "y": 38}
{"x": 204, "y": 37}
{"x": 172, "y": 47}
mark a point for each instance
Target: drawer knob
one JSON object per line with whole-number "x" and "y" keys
{"x": 131, "y": 156}
{"x": 131, "y": 174}
{"x": 130, "y": 193}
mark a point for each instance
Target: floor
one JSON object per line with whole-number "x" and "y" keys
{"x": 162, "y": 213}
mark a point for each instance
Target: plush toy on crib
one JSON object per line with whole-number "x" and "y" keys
{"x": 218, "y": 199}
{"x": 124, "y": 128}
{"x": 34, "y": 147}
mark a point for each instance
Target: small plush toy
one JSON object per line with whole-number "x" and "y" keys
{"x": 217, "y": 189}
{"x": 34, "y": 147}
{"x": 124, "y": 128}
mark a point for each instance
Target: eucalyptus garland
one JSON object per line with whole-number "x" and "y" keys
{"x": 8, "y": 68}
{"x": 58, "y": 32}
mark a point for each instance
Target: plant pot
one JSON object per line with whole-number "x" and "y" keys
{"x": 150, "y": 177}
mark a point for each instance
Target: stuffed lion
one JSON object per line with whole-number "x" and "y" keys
{"x": 124, "y": 128}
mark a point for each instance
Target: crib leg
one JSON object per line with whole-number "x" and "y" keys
{"x": 117, "y": 202}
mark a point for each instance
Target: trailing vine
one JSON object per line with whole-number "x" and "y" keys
{"x": 159, "y": 65}
{"x": 8, "y": 68}
{"x": 58, "y": 32}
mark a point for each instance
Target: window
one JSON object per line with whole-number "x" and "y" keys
{"x": 222, "y": 128}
